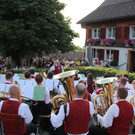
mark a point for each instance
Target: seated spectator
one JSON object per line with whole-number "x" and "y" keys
{"x": 107, "y": 63}
{"x": 102, "y": 63}
{"x": 9, "y": 78}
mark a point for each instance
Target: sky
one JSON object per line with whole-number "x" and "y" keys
{"x": 76, "y": 10}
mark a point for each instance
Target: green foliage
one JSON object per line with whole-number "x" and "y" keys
{"x": 96, "y": 71}
{"x": 78, "y": 48}
{"x": 114, "y": 63}
{"x": 31, "y": 26}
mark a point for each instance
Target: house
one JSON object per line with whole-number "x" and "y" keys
{"x": 111, "y": 31}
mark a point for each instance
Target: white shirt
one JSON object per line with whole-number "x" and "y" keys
{"x": 57, "y": 120}
{"x": 93, "y": 95}
{"x": 53, "y": 68}
{"x": 47, "y": 95}
{"x": 23, "y": 111}
{"x": 113, "y": 112}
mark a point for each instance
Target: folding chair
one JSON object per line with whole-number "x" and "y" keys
{"x": 12, "y": 124}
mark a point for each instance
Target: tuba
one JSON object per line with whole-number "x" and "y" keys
{"x": 67, "y": 81}
{"x": 105, "y": 99}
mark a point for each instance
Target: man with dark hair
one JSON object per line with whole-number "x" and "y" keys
{"x": 9, "y": 78}
{"x": 27, "y": 75}
{"x": 126, "y": 77}
{"x": 32, "y": 73}
{"x": 123, "y": 83}
{"x": 51, "y": 84}
{"x": 118, "y": 117}
{"x": 77, "y": 116}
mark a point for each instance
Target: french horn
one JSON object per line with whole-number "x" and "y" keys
{"x": 67, "y": 81}
{"x": 105, "y": 99}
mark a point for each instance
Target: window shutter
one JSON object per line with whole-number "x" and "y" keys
{"x": 116, "y": 55}
{"x": 118, "y": 33}
{"x": 126, "y": 32}
{"x": 90, "y": 34}
{"x": 101, "y": 54}
{"x": 102, "y": 33}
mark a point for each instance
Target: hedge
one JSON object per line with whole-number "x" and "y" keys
{"x": 96, "y": 71}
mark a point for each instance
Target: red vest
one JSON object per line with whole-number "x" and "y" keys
{"x": 87, "y": 96}
{"x": 32, "y": 76}
{"x": 121, "y": 124}
{"x": 11, "y": 107}
{"x": 90, "y": 87}
{"x": 7, "y": 83}
{"x": 79, "y": 115}
{"x": 57, "y": 70}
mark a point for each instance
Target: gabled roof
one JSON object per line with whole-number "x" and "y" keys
{"x": 111, "y": 9}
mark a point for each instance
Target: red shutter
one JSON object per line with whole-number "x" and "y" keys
{"x": 101, "y": 54}
{"x": 102, "y": 33}
{"x": 90, "y": 34}
{"x": 118, "y": 33}
{"x": 126, "y": 33}
{"x": 116, "y": 55}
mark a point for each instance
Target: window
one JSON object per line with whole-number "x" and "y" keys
{"x": 95, "y": 53}
{"x": 132, "y": 32}
{"x": 110, "y": 32}
{"x": 95, "y": 33}
{"x": 109, "y": 55}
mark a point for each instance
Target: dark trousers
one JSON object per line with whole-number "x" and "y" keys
{"x": 40, "y": 109}
{"x": 31, "y": 128}
{"x": 97, "y": 130}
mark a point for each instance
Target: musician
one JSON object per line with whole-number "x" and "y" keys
{"x": 126, "y": 77}
{"x": 133, "y": 83}
{"x": 123, "y": 83}
{"x": 42, "y": 107}
{"x": 90, "y": 83}
{"x": 57, "y": 67}
{"x": 96, "y": 91}
{"x": 118, "y": 117}
{"x": 118, "y": 80}
{"x": 76, "y": 77}
{"x": 49, "y": 81}
{"x": 87, "y": 95}
{"x": 27, "y": 76}
{"x": 9, "y": 78}
{"x": 32, "y": 73}
{"x": 77, "y": 116}
{"x": 14, "y": 106}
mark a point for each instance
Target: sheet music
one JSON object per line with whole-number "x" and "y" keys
{"x": 49, "y": 84}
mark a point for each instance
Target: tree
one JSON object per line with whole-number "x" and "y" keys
{"x": 31, "y": 26}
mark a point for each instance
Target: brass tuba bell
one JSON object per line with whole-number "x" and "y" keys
{"x": 67, "y": 81}
{"x": 105, "y": 99}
